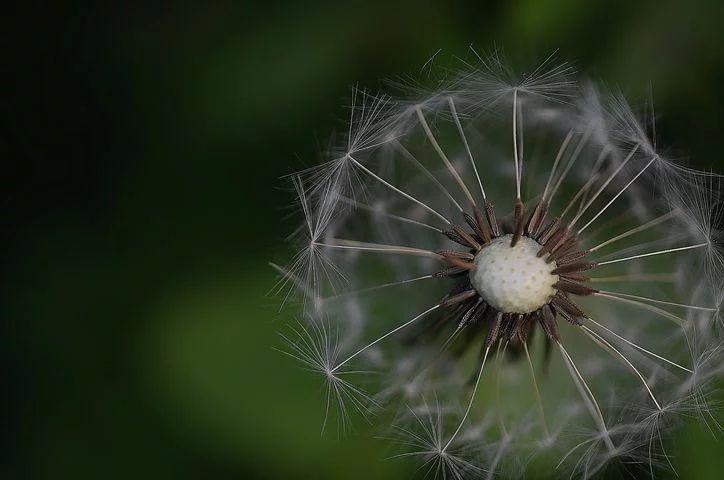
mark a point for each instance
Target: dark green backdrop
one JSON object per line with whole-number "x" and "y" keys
{"x": 142, "y": 147}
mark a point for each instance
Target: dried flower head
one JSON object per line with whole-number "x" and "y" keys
{"x": 497, "y": 205}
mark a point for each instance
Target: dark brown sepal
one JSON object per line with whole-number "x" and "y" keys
{"x": 460, "y": 263}
{"x": 493, "y": 331}
{"x": 574, "y": 268}
{"x": 453, "y": 235}
{"x": 574, "y": 288}
{"x": 576, "y": 277}
{"x": 537, "y": 218}
{"x": 566, "y": 247}
{"x": 507, "y": 325}
{"x": 492, "y": 220}
{"x": 553, "y": 242}
{"x": 456, "y": 254}
{"x": 526, "y": 325}
{"x": 460, "y": 297}
{"x": 473, "y": 313}
{"x": 549, "y": 230}
{"x": 466, "y": 236}
{"x": 572, "y": 257}
{"x": 519, "y": 216}
{"x": 567, "y": 309}
{"x": 474, "y": 226}
{"x": 563, "y": 299}
{"x": 482, "y": 224}
{"x": 449, "y": 272}
{"x": 547, "y": 320}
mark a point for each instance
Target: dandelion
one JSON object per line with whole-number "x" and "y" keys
{"x": 494, "y": 206}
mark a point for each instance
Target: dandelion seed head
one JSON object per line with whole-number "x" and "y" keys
{"x": 520, "y": 249}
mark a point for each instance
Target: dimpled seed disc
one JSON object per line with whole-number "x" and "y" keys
{"x": 513, "y": 280}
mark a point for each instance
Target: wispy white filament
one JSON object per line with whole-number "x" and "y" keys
{"x": 597, "y": 338}
{"x": 605, "y": 184}
{"x": 639, "y": 347}
{"x": 635, "y": 230}
{"x": 442, "y": 155}
{"x": 464, "y": 139}
{"x": 677, "y": 319}
{"x": 470, "y": 403}
{"x": 594, "y": 176}
{"x": 572, "y": 160}
{"x": 644, "y": 278}
{"x": 518, "y": 167}
{"x": 379, "y": 339}
{"x": 562, "y": 149}
{"x": 344, "y": 244}
{"x": 538, "y": 399}
{"x": 588, "y": 397}
{"x": 394, "y": 188}
{"x": 610, "y": 202}
{"x": 380, "y": 211}
{"x": 406, "y": 153}
{"x": 379, "y": 287}
{"x": 660, "y": 252}
{"x": 653, "y": 300}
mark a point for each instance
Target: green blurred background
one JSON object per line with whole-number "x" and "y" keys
{"x": 142, "y": 147}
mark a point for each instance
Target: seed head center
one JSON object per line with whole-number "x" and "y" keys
{"x": 513, "y": 279}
